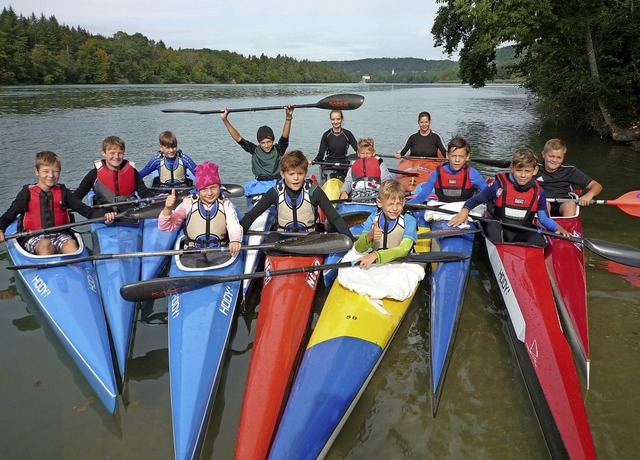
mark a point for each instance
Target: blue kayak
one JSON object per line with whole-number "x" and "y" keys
{"x": 199, "y": 328}
{"x": 112, "y": 274}
{"x": 448, "y": 283}
{"x": 69, "y": 299}
{"x": 253, "y": 190}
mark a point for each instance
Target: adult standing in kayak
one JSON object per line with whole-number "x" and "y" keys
{"x": 265, "y": 157}
{"x": 335, "y": 143}
{"x": 425, "y": 143}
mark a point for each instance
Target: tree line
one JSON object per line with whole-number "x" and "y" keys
{"x": 39, "y": 50}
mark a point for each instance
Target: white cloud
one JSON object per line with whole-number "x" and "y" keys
{"x": 301, "y": 30}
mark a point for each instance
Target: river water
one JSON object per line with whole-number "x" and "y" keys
{"x": 484, "y": 412}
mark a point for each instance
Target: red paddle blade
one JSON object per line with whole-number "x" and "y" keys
{"x": 629, "y": 203}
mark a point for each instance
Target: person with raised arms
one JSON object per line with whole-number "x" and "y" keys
{"x": 424, "y": 143}
{"x": 265, "y": 157}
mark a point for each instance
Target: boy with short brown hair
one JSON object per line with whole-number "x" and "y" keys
{"x": 113, "y": 178}
{"x": 47, "y": 204}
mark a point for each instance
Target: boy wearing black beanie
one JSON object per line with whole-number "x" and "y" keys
{"x": 265, "y": 157}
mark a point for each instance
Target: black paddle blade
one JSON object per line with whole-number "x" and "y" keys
{"x": 315, "y": 243}
{"x": 341, "y": 102}
{"x": 156, "y": 289}
{"x": 615, "y": 252}
{"x": 436, "y": 256}
{"x": 356, "y": 217}
{"x": 147, "y": 212}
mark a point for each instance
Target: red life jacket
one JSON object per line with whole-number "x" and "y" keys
{"x": 44, "y": 210}
{"x": 366, "y": 169}
{"x": 110, "y": 185}
{"x": 453, "y": 187}
{"x": 515, "y": 203}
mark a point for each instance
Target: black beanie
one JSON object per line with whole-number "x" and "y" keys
{"x": 265, "y": 132}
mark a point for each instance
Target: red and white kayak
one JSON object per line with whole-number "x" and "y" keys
{"x": 565, "y": 265}
{"x": 418, "y": 170}
{"x": 283, "y": 318}
{"x": 542, "y": 351}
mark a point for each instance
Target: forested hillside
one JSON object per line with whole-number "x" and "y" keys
{"x": 38, "y": 50}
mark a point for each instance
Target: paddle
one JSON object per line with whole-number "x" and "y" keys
{"x": 486, "y": 161}
{"x": 230, "y": 190}
{"x": 308, "y": 244}
{"x": 162, "y": 287}
{"x": 403, "y": 173}
{"x": 334, "y": 102}
{"x": 146, "y": 212}
{"x": 616, "y": 252}
{"x": 422, "y": 236}
{"x": 355, "y": 217}
{"x": 629, "y": 202}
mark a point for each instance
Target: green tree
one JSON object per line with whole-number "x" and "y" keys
{"x": 579, "y": 57}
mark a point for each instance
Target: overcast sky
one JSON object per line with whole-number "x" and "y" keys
{"x": 302, "y": 29}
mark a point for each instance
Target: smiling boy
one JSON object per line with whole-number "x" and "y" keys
{"x": 388, "y": 232}
{"x": 517, "y": 198}
{"x": 455, "y": 180}
{"x": 558, "y": 180}
{"x": 296, "y": 200}
{"x": 47, "y": 204}
{"x": 113, "y": 178}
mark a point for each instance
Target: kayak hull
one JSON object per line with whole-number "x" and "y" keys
{"x": 344, "y": 351}
{"x": 199, "y": 329}
{"x": 69, "y": 299}
{"x": 283, "y": 319}
{"x": 541, "y": 349}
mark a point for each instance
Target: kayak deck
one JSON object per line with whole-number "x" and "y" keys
{"x": 541, "y": 349}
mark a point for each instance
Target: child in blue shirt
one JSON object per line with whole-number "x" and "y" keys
{"x": 455, "y": 180}
{"x": 170, "y": 163}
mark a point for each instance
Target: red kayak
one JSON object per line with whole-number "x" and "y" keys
{"x": 283, "y": 318}
{"x": 541, "y": 349}
{"x": 565, "y": 265}
{"x": 417, "y": 169}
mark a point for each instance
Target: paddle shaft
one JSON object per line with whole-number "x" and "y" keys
{"x": 163, "y": 287}
{"x": 622, "y": 254}
{"x": 129, "y": 255}
{"x": 56, "y": 229}
{"x": 486, "y": 161}
{"x": 301, "y": 244}
{"x": 628, "y": 203}
{"x": 334, "y": 102}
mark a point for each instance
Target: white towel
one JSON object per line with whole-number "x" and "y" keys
{"x": 394, "y": 280}
{"x": 456, "y": 206}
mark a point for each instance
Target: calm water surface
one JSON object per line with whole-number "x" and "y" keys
{"x": 49, "y": 412}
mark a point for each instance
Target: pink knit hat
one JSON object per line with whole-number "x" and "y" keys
{"x": 206, "y": 175}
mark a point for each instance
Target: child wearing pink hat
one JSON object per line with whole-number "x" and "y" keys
{"x": 211, "y": 219}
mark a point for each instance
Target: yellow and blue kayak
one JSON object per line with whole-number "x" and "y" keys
{"x": 346, "y": 346}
